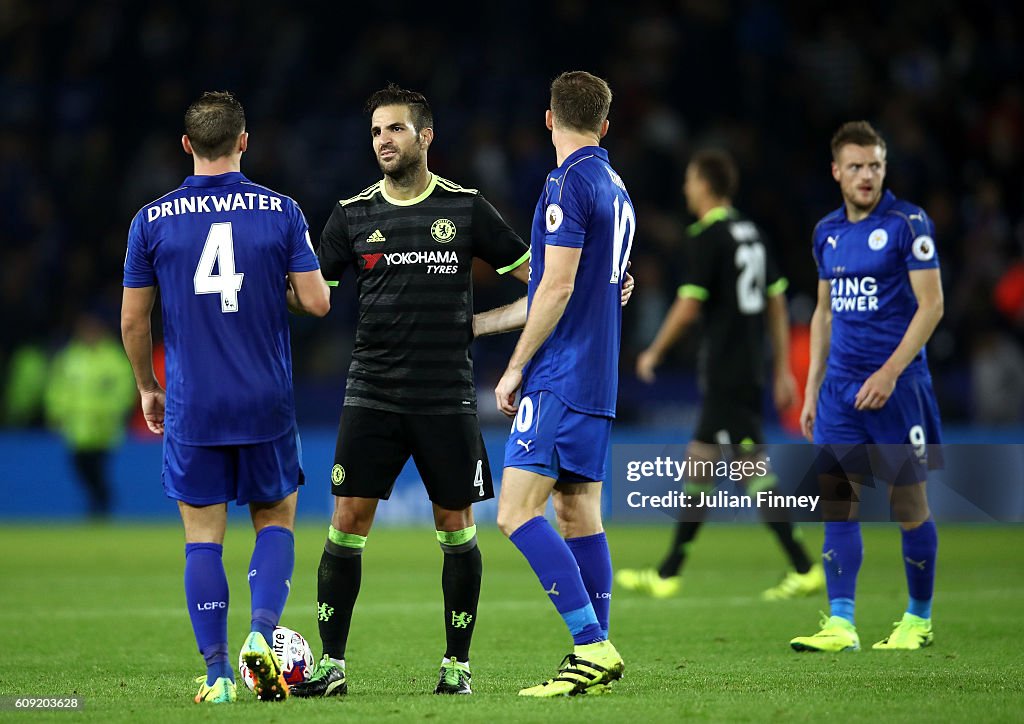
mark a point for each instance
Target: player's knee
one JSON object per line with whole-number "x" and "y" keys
{"x": 452, "y": 520}
{"x": 910, "y": 514}
{"x": 577, "y": 521}
{"x": 510, "y": 519}
{"x": 352, "y": 518}
{"x": 909, "y": 506}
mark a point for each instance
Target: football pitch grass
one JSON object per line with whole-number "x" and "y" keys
{"x": 99, "y": 612}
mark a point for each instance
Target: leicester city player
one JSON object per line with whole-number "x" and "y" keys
{"x": 879, "y": 300}
{"x": 566, "y": 364}
{"x": 230, "y": 258}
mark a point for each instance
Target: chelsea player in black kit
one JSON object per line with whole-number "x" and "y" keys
{"x": 733, "y": 283}
{"x": 411, "y": 239}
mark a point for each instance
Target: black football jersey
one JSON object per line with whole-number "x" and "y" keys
{"x": 413, "y": 264}
{"x": 733, "y": 271}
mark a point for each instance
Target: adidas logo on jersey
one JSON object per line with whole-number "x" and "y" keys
{"x": 375, "y": 237}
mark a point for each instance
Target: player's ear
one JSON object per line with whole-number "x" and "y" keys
{"x": 186, "y": 144}
{"x": 243, "y": 142}
{"x": 605, "y": 124}
{"x": 426, "y": 137}
{"x": 549, "y": 120}
{"x": 835, "y": 170}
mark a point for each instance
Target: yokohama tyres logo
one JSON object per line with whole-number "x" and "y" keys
{"x": 371, "y": 260}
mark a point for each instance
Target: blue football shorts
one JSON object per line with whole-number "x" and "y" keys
{"x": 897, "y": 443}
{"x": 553, "y": 440}
{"x": 209, "y": 474}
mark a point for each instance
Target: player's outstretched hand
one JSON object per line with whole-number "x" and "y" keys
{"x": 505, "y": 392}
{"x": 153, "y": 410}
{"x": 875, "y": 391}
{"x": 807, "y": 416}
{"x": 645, "y": 364}
{"x": 627, "y": 288}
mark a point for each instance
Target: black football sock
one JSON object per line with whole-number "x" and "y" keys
{"x": 686, "y": 531}
{"x": 460, "y": 583}
{"x": 788, "y": 538}
{"x": 337, "y": 587}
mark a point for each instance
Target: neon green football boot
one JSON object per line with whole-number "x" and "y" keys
{"x": 223, "y": 691}
{"x": 268, "y": 680}
{"x": 797, "y": 585}
{"x": 328, "y": 679}
{"x": 455, "y": 677}
{"x": 837, "y": 634}
{"x": 910, "y": 634}
{"x": 647, "y": 580}
{"x": 589, "y": 669}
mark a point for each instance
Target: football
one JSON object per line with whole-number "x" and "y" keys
{"x": 292, "y": 651}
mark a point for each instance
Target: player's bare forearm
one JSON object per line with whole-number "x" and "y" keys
{"x": 784, "y": 386}
{"x": 137, "y": 335}
{"x": 683, "y": 313}
{"x": 308, "y": 294}
{"x": 930, "y": 306}
{"x": 138, "y": 345}
{"x": 500, "y": 319}
{"x": 293, "y": 302}
{"x": 821, "y": 338}
{"x": 549, "y": 303}
{"x": 778, "y": 332}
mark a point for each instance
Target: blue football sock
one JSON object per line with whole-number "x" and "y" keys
{"x": 270, "y": 571}
{"x": 595, "y": 564}
{"x": 559, "y": 575}
{"x": 206, "y": 592}
{"x": 842, "y": 554}
{"x": 920, "y": 547}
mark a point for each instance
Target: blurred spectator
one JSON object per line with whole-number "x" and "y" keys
{"x": 90, "y": 393}
{"x": 25, "y": 386}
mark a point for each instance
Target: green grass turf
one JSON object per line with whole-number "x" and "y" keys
{"x": 99, "y": 612}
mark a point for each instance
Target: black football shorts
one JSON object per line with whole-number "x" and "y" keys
{"x": 374, "y": 445}
{"x": 732, "y": 418}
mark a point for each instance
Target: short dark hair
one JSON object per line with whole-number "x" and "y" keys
{"x": 393, "y": 95}
{"x": 213, "y": 124}
{"x": 859, "y": 133}
{"x": 718, "y": 170}
{"x": 580, "y": 101}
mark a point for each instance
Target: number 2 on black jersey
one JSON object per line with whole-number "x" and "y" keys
{"x": 750, "y": 283}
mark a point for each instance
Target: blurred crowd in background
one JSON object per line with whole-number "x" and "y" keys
{"x": 92, "y": 96}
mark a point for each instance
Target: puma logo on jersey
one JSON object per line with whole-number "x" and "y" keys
{"x": 526, "y": 444}
{"x": 919, "y": 216}
{"x": 551, "y": 591}
{"x": 376, "y": 237}
{"x": 833, "y": 240}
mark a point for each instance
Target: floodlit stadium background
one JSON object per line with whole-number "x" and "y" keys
{"x": 92, "y": 94}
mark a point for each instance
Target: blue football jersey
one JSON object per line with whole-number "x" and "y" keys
{"x": 219, "y": 248}
{"x": 867, "y": 265}
{"x": 584, "y": 204}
